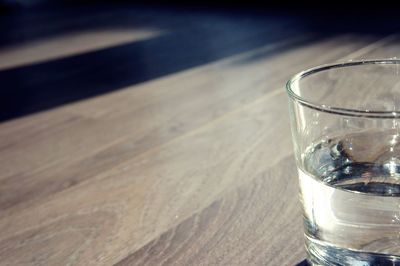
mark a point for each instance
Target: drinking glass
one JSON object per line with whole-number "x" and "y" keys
{"x": 346, "y": 135}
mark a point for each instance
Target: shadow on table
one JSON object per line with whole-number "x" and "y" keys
{"x": 303, "y": 263}
{"x": 192, "y": 38}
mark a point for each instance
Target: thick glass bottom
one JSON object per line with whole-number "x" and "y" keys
{"x": 320, "y": 253}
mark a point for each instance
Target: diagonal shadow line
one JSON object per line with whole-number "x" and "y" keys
{"x": 41, "y": 86}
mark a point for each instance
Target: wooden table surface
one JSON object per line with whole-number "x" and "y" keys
{"x": 188, "y": 162}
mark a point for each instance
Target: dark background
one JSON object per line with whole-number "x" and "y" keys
{"x": 198, "y": 33}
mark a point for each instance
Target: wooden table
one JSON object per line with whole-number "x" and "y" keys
{"x": 192, "y": 166}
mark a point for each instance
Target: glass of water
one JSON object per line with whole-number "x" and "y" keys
{"x": 345, "y": 120}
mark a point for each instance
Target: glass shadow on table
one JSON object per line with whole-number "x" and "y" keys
{"x": 303, "y": 263}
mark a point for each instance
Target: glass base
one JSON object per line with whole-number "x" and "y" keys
{"x": 320, "y": 254}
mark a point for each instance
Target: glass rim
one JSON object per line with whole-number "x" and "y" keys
{"x": 339, "y": 110}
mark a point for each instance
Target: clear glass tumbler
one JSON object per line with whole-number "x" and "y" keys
{"x": 345, "y": 126}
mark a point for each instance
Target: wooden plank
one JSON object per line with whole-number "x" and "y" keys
{"x": 254, "y": 224}
{"x": 125, "y": 207}
{"x": 77, "y": 142}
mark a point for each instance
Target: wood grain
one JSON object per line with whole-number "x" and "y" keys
{"x": 245, "y": 226}
{"x": 161, "y": 187}
{"x": 191, "y": 169}
{"x": 143, "y": 118}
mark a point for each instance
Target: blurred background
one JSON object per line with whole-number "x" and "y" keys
{"x": 56, "y": 52}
